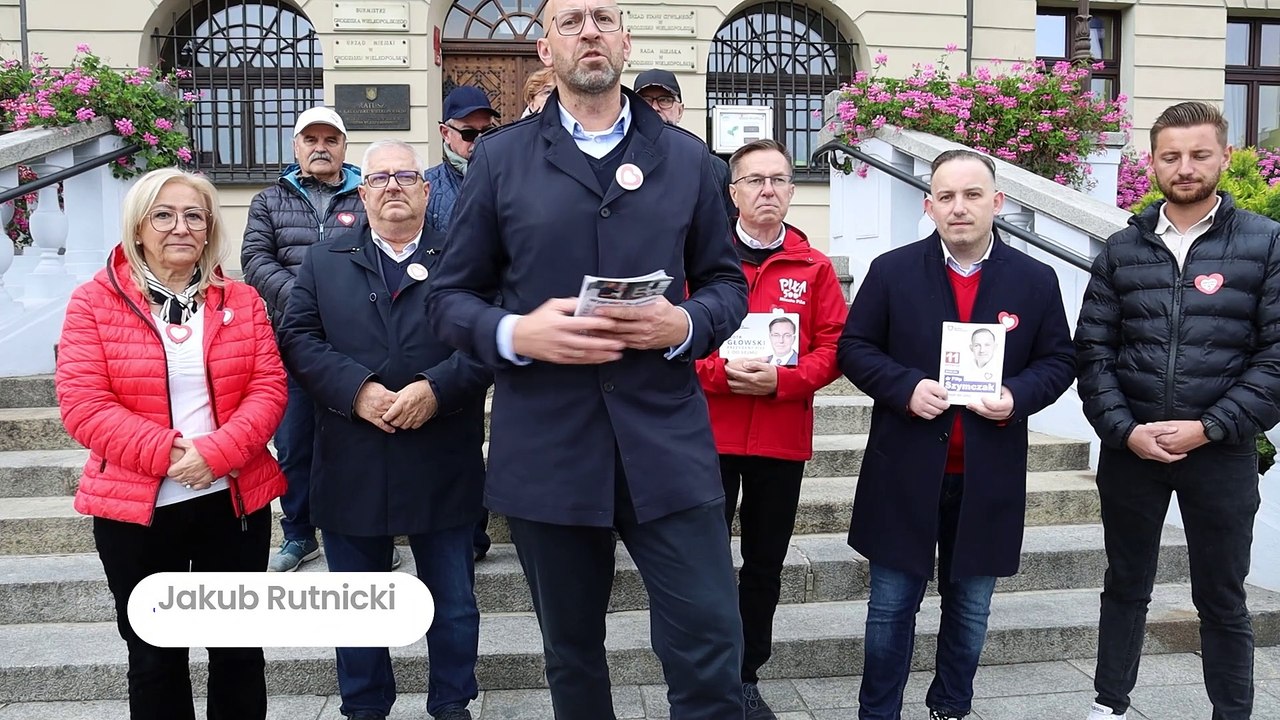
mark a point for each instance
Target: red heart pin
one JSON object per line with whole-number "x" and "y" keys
{"x": 1209, "y": 284}
{"x": 178, "y": 333}
{"x": 1008, "y": 320}
{"x": 346, "y": 218}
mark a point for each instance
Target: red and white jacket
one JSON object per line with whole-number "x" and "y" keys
{"x": 796, "y": 279}
{"x": 112, "y": 382}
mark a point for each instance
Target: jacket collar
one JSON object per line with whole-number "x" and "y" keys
{"x": 642, "y": 150}
{"x": 1147, "y": 220}
{"x": 292, "y": 176}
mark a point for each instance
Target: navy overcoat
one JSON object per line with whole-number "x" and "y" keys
{"x": 892, "y": 341}
{"x": 343, "y": 328}
{"x": 531, "y": 221}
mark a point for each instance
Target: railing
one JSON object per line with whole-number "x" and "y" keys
{"x": 69, "y": 243}
{"x": 1040, "y": 242}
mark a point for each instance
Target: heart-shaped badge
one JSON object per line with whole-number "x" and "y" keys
{"x": 178, "y": 333}
{"x": 1209, "y": 284}
{"x": 346, "y": 218}
{"x": 1008, "y": 320}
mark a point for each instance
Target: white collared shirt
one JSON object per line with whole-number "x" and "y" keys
{"x": 601, "y": 142}
{"x": 950, "y": 260}
{"x": 398, "y": 256}
{"x": 1177, "y": 242}
{"x": 755, "y": 244}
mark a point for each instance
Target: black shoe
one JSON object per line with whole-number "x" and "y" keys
{"x": 454, "y": 714}
{"x": 367, "y": 715}
{"x": 481, "y": 553}
{"x": 936, "y": 715}
{"x": 757, "y": 708}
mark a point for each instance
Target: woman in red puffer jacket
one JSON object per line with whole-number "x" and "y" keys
{"x": 168, "y": 373}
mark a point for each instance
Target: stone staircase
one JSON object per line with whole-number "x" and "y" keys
{"x": 58, "y": 640}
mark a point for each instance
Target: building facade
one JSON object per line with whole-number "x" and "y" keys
{"x": 386, "y": 64}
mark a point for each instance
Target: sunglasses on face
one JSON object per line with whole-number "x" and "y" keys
{"x": 467, "y": 134}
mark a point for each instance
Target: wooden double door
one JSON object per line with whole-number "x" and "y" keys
{"x": 500, "y": 76}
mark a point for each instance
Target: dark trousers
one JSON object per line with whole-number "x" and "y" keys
{"x": 295, "y": 440}
{"x": 199, "y": 535}
{"x": 1217, "y": 488}
{"x": 891, "y": 627}
{"x": 770, "y": 495}
{"x": 446, "y": 566}
{"x": 687, "y": 568}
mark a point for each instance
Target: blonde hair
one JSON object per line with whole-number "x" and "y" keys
{"x": 535, "y": 82}
{"x": 138, "y": 202}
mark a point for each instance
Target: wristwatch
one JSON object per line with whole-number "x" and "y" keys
{"x": 1213, "y": 430}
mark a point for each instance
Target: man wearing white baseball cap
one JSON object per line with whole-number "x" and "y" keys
{"x": 314, "y": 198}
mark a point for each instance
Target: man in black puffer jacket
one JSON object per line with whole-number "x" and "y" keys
{"x": 313, "y": 199}
{"x": 1179, "y": 354}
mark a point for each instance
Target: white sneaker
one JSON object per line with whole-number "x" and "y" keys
{"x": 1102, "y": 712}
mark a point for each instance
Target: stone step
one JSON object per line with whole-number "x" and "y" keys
{"x": 38, "y": 428}
{"x": 49, "y": 524}
{"x": 27, "y": 473}
{"x": 818, "y": 568}
{"x": 27, "y": 391}
{"x": 86, "y": 661}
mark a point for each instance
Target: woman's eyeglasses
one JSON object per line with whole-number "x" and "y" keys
{"x": 167, "y": 220}
{"x": 467, "y": 134}
{"x": 404, "y": 178}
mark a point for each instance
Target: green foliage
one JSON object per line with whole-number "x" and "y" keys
{"x": 1244, "y": 179}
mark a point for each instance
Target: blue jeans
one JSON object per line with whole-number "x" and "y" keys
{"x": 891, "y": 627}
{"x": 446, "y": 564}
{"x": 295, "y": 441}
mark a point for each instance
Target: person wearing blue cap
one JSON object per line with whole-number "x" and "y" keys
{"x": 467, "y": 114}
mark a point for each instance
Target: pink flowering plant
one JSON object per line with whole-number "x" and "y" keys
{"x": 1027, "y": 113}
{"x": 145, "y": 108}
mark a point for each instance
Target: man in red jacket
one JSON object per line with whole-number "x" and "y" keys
{"x": 762, "y": 413}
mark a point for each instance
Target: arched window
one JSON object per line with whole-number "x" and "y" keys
{"x": 257, "y": 64}
{"x": 785, "y": 55}
{"x": 494, "y": 20}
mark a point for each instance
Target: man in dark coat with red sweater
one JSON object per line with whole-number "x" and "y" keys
{"x": 935, "y": 474}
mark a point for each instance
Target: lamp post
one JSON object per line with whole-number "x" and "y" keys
{"x": 1082, "y": 43}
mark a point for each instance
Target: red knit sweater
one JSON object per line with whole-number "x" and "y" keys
{"x": 966, "y": 291}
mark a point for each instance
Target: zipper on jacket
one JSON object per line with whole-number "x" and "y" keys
{"x": 168, "y": 391}
{"x": 237, "y": 502}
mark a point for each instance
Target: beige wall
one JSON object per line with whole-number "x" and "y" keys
{"x": 1171, "y": 50}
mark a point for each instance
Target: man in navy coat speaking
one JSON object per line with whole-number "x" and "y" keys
{"x": 599, "y": 422}
{"x": 935, "y": 474}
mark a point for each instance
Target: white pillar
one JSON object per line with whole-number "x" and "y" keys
{"x": 49, "y": 280}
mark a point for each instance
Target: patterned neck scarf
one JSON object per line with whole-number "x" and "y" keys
{"x": 175, "y": 308}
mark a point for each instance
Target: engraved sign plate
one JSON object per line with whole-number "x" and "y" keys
{"x": 373, "y": 107}
{"x": 370, "y": 15}
{"x": 673, "y": 56}
{"x": 661, "y": 22}
{"x": 370, "y": 52}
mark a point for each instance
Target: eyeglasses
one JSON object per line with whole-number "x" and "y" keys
{"x": 663, "y": 101}
{"x": 167, "y": 220}
{"x": 404, "y": 178}
{"x": 756, "y": 182}
{"x": 570, "y": 22}
{"x": 468, "y": 134}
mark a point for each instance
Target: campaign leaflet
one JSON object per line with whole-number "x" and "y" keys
{"x": 972, "y": 362}
{"x": 773, "y": 338}
{"x": 600, "y": 292}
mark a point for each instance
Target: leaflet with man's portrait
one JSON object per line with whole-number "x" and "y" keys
{"x": 972, "y": 361}
{"x": 772, "y": 338}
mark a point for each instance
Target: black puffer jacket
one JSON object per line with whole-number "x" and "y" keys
{"x": 282, "y": 225}
{"x": 1155, "y": 343}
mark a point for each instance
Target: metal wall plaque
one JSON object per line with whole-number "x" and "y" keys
{"x": 661, "y": 22}
{"x": 676, "y": 56}
{"x": 373, "y": 107}
{"x": 370, "y": 15}
{"x": 370, "y": 52}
